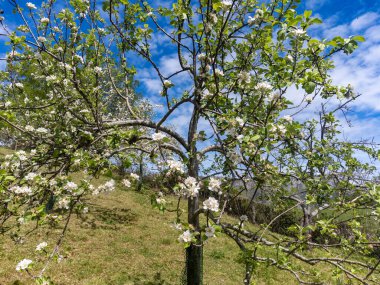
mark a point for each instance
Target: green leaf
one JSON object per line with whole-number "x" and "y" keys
{"x": 307, "y": 14}
{"x": 358, "y": 38}
{"x": 309, "y": 87}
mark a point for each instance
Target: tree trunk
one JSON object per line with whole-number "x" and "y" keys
{"x": 141, "y": 172}
{"x": 194, "y": 253}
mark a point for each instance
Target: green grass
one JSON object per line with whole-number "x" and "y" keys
{"x": 123, "y": 241}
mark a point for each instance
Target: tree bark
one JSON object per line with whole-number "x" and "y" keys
{"x": 194, "y": 253}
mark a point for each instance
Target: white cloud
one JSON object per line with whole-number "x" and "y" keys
{"x": 364, "y": 21}
{"x": 315, "y": 4}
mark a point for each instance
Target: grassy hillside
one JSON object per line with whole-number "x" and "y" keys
{"x": 123, "y": 241}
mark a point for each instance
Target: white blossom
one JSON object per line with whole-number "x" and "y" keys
{"x": 256, "y": 18}
{"x": 21, "y": 190}
{"x": 126, "y": 183}
{"x": 288, "y": 118}
{"x": 41, "y": 39}
{"x": 31, "y": 5}
{"x": 134, "y": 176}
{"x": 41, "y": 246}
{"x": 98, "y": 69}
{"x": 240, "y": 138}
{"x": 161, "y": 201}
{"x": 202, "y": 56}
{"x": 44, "y": 20}
{"x": 108, "y": 186}
{"x": 7, "y": 104}
{"x": 158, "y": 136}
{"x": 240, "y": 121}
{"x": 177, "y": 226}
{"x": 29, "y": 128}
{"x": 185, "y": 237}
{"x": 30, "y": 176}
{"x": 51, "y": 78}
{"x": 263, "y": 86}
{"x": 150, "y": 14}
{"x": 190, "y": 187}
{"x": 19, "y": 85}
{"x": 309, "y": 99}
{"x": 244, "y": 218}
{"x": 298, "y": 32}
{"x": 71, "y": 186}
{"x": 64, "y": 203}
{"x": 226, "y": 3}
{"x": 41, "y": 131}
{"x": 168, "y": 83}
{"x": 219, "y": 72}
{"x": 210, "y": 232}
{"x": 23, "y": 264}
{"x": 211, "y": 204}
{"x": 244, "y": 77}
{"x": 214, "y": 184}
{"x": 175, "y": 166}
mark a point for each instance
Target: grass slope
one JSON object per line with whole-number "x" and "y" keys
{"x": 122, "y": 241}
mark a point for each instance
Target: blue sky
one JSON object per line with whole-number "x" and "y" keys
{"x": 341, "y": 17}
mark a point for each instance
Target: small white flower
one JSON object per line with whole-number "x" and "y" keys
{"x": 30, "y": 176}
{"x": 210, "y": 232}
{"x": 240, "y": 138}
{"x": 44, "y": 20}
{"x": 41, "y": 131}
{"x": 98, "y": 69}
{"x": 226, "y": 3}
{"x": 41, "y": 39}
{"x": 85, "y": 210}
{"x": 134, "y": 176}
{"x": 288, "y": 118}
{"x": 168, "y": 83}
{"x": 51, "y": 78}
{"x": 175, "y": 166}
{"x": 263, "y": 86}
{"x": 161, "y": 201}
{"x": 22, "y": 190}
{"x": 23, "y": 264}
{"x": 177, "y": 226}
{"x": 309, "y": 99}
{"x": 214, "y": 184}
{"x": 149, "y": 14}
{"x": 7, "y": 104}
{"x": 211, "y": 204}
{"x": 31, "y": 5}
{"x": 244, "y": 77}
{"x": 219, "y": 72}
{"x": 281, "y": 129}
{"x": 64, "y": 203}
{"x": 19, "y": 85}
{"x": 298, "y": 32}
{"x": 244, "y": 218}
{"x": 71, "y": 186}
{"x": 185, "y": 237}
{"x": 126, "y": 183}
{"x": 41, "y": 246}
{"x": 201, "y": 56}
{"x": 240, "y": 121}
{"x": 290, "y": 58}
{"x": 29, "y": 128}
{"x": 190, "y": 187}
{"x": 158, "y": 136}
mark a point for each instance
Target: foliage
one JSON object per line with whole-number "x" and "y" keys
{"x": 69, "y": 101}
